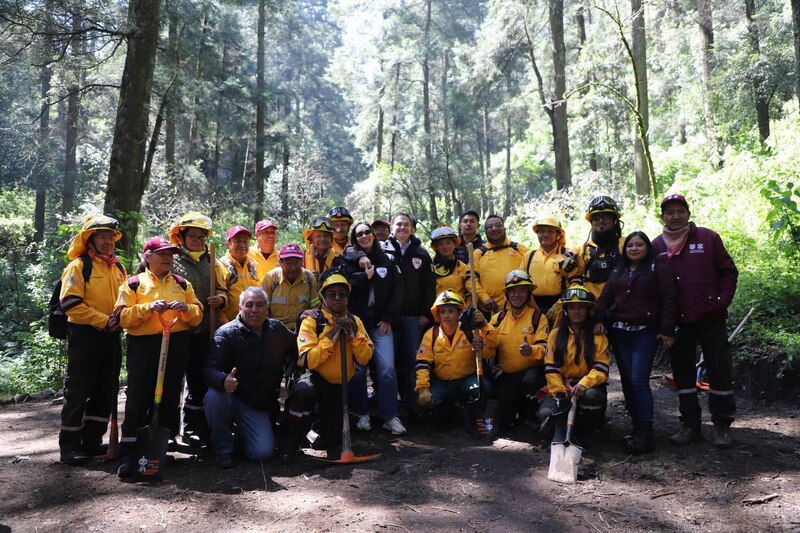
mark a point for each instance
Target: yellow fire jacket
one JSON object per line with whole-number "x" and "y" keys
{"x": 263, "y": 265}
{"x": 584, "y": 253}
{"x": 135, "y": 314}
{"x": 448, "y": 360}
{"x": 590, "y": 377}
{"x": 458, "y": 282}
{"x": 493, "y": 265}
{"x": 508, "y": 333}
{"x": 286, "y": 299}
{"x": 91, "y": 303}
{"x": 237, "y": 277}
{"x": 321, "y": 354}
{"x": 544, "y": 270}
{"x": 315, "y": 265}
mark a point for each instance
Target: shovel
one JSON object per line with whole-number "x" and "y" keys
{"x": 151, "y": 440}
{"x": 565, "y": 455}
{"x": 347, "y": 456}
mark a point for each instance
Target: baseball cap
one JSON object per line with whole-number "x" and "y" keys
{"x": 261, "y": 225}
{"x": 290, "y": 249}
{"x": 157, "y": 244}
{"x": 681, "y": 199}
{"x": 236, "y": 230}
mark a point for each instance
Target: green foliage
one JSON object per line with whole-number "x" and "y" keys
{"x": 784, "y": 214}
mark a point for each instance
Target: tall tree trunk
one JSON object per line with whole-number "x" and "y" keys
{"x": 219, "y": 118}
{"x": 705, "y": 19}
{"x": 379, "y": 141}
{"x": 395, "y": 113}
{"x": 487, "y": 150}
{"x": 583, "y": 12}
{"x": 73, "y": 118}
{"x": 170, "y": 131}
{"x": 198, "y": 73}
{"x": 560, "y": 133}
{"x": 261, "y": 144}
{"x": 759, "y": 91}
{"x": 45, "y": 77}
{"x": 796, "y": 29}
{"x": 426, "y": 118}
{"x": 287, "y": 113}
{"x": 507, "y": 205}
{"x": 479, "y": 142}
{"x": 641, "y": 170}
{"x": 126, "y": 179}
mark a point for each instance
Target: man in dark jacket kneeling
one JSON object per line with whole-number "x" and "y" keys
{"x": 244, "y": 371}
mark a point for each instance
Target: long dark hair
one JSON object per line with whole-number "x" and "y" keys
{"x": 648, "y": 259}
{"x": 584, "y": 344}
{"x": 376, "y": 247}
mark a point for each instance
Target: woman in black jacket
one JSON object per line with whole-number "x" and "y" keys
{"x": 639, "y": 307}
{"x": 375, "y": 297}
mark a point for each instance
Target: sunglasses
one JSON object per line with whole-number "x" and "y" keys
{"x": 364, "y": 233}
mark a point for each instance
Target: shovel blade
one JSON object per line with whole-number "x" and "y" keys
{"x": 564, "y": 459}
{"x": 348, "y": 457}
{"x": 151, "y": 452}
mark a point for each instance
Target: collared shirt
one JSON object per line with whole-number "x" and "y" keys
{"x": 590, "y": 376}
{"x": 90, "y": 303}
{"x": 506, "y": 337}
{"x": 447, "y": 359}
{"x": 545, "y": 271}
{"x": 263, "y": 264}
{"x": 136, "y": 316}
{"x": 322, "y": 355}
{"x": 237, "y": 277}
{"x": 286, "y": 299}
{"x": 494, "y": 264}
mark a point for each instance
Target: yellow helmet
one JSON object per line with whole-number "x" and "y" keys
{"x": 519, "y": 278}
{"x": 91, "y": 225}
{"x": 332, "y": 276}
{"x": 318, "y": 224}
{"x": 446, "y": 297}
{"x": 547, "y": 220}
{"x": 189, "y": 220}
{"x": 577, "y": 293}
{"x": 444, "y": 232}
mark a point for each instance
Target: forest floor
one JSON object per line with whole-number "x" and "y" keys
{"x": 424, "y": 481}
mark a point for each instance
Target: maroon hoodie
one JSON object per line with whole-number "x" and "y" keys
{"x": 706, "y": 275}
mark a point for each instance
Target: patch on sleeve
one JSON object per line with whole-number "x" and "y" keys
{"x": 71, "y": 281}
{"x": 302, "y": 339}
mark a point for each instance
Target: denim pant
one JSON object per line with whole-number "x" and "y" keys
{"x": 386, "y": 376}
{"x": 463, "y": 390}
{"x": 635, "y": 351}
{"x": 255, "y": 429}
{"x": 409, "y": 339}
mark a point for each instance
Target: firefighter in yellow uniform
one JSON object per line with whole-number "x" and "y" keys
{"x": 518, "y": 341}
{"x": 141, "y": 300}
{"x": 545, "y": 263}
{"x": 446, "y": 367}
{"x": 290, "y": 288}
{"x": 320, "y": 254}
{"x": 318, "y": 377}
{"x": 451, "y": 274}
{"x": 576, "y": 365}
{"x": 341, "y": 220}
{"x": 89, "y": 287}
{"x": 493, "y": 261}
{"x": 238, "y": 271}
{"x": 263, "y": 252}
{"x": 592, "y": 262}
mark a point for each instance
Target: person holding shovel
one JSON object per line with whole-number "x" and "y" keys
{"x": 451, "y": 273}
{"x": 154, "y": 290}
{"x": 317, "y": 379}
{"x": 446, "y": 372}
{"x": 576, "y": 365}
{"x": 638, "y": 309}
{"x": 191, "y": 233}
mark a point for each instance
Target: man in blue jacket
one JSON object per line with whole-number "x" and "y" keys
{"x": 707, "y": 280}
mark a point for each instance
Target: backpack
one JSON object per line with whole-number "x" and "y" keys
{"x": 537, "y": 316}
{"x": 320, "y": 322}
{"x": 233, "y": 276}
{"x": 133, "y": 282}
{"x": 57, "y": 325}
{"x": 512, "y": 245}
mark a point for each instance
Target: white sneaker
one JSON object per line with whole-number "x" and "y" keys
{"x": 363, "y": 423}
{"x": 395, "y": 426}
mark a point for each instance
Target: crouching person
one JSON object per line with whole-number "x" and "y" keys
{"x": 318, "y": 376}
{"x": 576, "y": 365}
{"x": 446, "y": 362}
{"x": 244, "y": 372}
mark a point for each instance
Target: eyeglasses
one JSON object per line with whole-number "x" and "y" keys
{"x": 197, "y": 236}
{"x": 335, "y": 295}
{"x": 604, "y": 217}
{"x": 364, "y": 233}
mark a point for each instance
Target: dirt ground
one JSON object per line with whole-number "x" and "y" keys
{"x": 424, "y": 481}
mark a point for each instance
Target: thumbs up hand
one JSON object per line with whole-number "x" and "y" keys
{"x": 230, "y": 381}
{"x": 525, "y": 348}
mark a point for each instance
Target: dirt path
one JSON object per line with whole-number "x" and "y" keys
{"x": 425, "y": 481}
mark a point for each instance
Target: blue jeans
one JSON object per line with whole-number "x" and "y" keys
{"x": 635, "y": 351}
{"x": 387, "y": 378}
{"x": 409, "y": 339}
{"x": 255, "y": 429}
{"x": 463, "y": 390}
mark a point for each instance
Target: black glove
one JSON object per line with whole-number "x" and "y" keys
{"x": 471, "y": 319}
{"x": 569, "y": 263}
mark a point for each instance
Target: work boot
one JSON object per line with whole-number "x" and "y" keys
{"x": 127, "y": 467}
{"x": 687, "y": 435}
{"x": 75, "y": 457}
{"x": 722, "y": 436}
{"x": 364, "y": 423}
{"x": 642, "y": 439}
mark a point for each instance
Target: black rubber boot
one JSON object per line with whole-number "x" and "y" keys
{"x": 295, "y": 434}
{"x": 642, "y": 440}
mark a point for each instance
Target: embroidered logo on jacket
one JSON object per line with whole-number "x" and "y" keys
{"x": 416, "y": 261}
{"x": 696, "y": 248}
{"x": 382, "y": 271}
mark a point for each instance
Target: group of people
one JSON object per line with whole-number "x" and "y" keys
{"x": 486, "y": 332}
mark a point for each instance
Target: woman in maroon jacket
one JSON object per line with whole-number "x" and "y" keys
{"x": 639, "y": 307}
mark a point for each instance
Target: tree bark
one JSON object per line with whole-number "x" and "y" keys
{"x": 426, "y": 117}
{"x": 198, "y": 72}
{"x": 395, "y": 113}
{"x": 170, "y": 130}
{"x": 261, "y": 144}
{"x": 507, "y": 205}
{"x": 641, "y": 170}
{"x": 44, "y": 151}
{"x": 73, "y": 118}
{"x": 479, "y": 142}
{"x": 560, "y": 131}
{"x": 759, "y": 91}
{"x": 126, "y": 180}
{"x": 705, "y": 15}
{"x": 487, "y": 150}
{"x": 287, "y": 113}
{"x": 796, "y": 29}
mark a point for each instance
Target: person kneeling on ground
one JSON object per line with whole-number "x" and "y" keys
{"x": 446, "y": 361}
{"x": 318, "y": 376}
{"x": 244, "y": 372}
{"x": 576, "y": 365}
